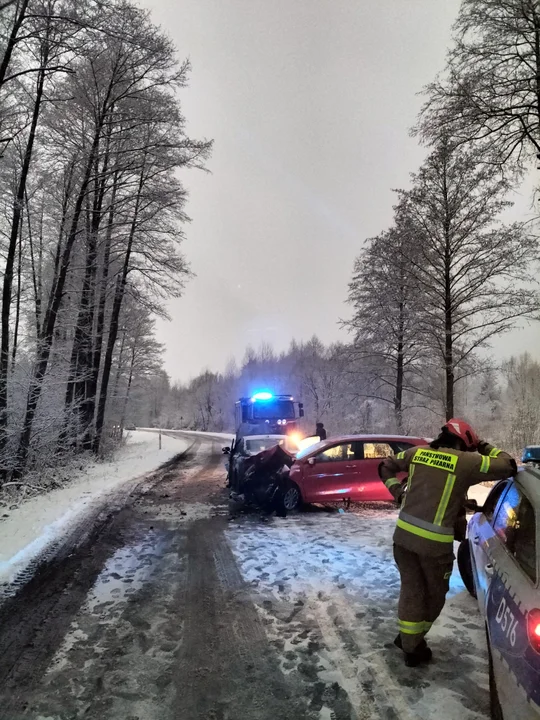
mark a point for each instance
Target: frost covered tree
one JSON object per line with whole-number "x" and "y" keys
{"x": 91, "y": 209}
{"x": 521, "y": 418}
{"x": 490, "y": 91}
{"x": 470, "y": 268}
{"x": 387, "y": 302}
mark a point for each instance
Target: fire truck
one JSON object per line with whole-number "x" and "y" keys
{"x": 267, "y": 413}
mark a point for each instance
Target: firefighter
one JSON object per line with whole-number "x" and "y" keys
{"x": 432, "y": 508}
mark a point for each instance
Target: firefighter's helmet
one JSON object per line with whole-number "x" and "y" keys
{"x": 463, "y": 431}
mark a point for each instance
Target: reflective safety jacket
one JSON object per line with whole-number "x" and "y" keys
{"x": 437, "y": 486}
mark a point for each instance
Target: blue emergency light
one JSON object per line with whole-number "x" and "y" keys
{"x": 262, "y": 396}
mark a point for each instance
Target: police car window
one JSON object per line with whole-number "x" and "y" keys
{"x": 493, "y": 498}
{"x": 506, "y": 518}
{"x": 377, "y": 450}
{"x": 524, "y": 542}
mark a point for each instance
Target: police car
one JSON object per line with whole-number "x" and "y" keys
{"x": 499, "y": 564}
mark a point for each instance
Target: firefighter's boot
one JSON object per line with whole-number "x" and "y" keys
{"x": 421, "y": 655}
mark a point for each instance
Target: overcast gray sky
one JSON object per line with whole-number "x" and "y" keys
{"x": 309, "y": 103}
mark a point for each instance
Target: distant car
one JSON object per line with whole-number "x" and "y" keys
{"x": 249, "y": 446}
{"x": 499, "y": 564}
{"x": 130, "y": 427}
{"x": 531, "y": 455}
{"x": 344, "y": 468}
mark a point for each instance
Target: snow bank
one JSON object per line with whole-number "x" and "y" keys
{"x": 194, "y": 433}
{"x": 30, "y": 528}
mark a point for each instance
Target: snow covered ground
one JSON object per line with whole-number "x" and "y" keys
{"x": 26, "y": 531}
{"x": 326, "y": 587}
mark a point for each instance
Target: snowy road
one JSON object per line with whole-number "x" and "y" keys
{"x": 164, "y": 609}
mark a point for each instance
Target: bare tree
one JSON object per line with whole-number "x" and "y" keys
{"x": 472, "y": 270}
{"x": 387, "y": 302}
{"x": 490, "y": 92}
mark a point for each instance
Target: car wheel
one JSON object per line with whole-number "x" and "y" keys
{"x": 292, "y": 498}
{"x": 464, "y": 562}
{"x": 495, "y": 705}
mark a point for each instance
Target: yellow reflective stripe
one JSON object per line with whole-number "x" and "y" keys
{"x": 409, "y": 480}
{"x": 435, "y": 459}
{"x": 391, "y": 482}
{"x": 411, "y": 628}
{"x": 427, "y": 626}
{"x": 441, "y": 510}
{"x": 400, "y": 455}
{"x": 486, "y": 462}
{"x": 495, "y": 453}
{"x": 427, "y": 534}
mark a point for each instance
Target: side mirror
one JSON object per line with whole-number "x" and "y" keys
{"x": 472, "y": 506}
{"x": 311, "y": 461}
{"x": 226, "y": 450}
{"x": 301, "y": 410}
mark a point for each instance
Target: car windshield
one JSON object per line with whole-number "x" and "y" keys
{"x": 531, "y": 453}
{"x": 311, "y": 449}
{"x": 257, "y": 445}
{"x": 273, "y": 409}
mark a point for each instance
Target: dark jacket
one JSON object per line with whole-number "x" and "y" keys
{"x": 436, "y": 489}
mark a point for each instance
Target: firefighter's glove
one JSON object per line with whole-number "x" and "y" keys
{"x": 482, "y": 447}
{"x": 379, "y": 468}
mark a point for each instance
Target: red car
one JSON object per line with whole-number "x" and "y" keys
{"x": 343, "y": 468}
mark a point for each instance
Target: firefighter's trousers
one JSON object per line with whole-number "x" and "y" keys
{"x": 424, "y": 584}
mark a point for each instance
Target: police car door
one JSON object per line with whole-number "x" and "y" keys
{"x": 511, "y": 594}
{"x": 481, "y": 537}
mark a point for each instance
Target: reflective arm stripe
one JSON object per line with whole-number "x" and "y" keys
{"x": 391, "y": 482}
{"x": 495, "y": 453}
{"x": 445, "y": 499}
{"x": 426, "y": 534}
{"x": 409, "y": 480}
{"x": 400, "y": 455}
{"x": 485, "y": 465}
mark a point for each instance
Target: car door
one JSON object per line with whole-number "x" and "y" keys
{"x": 332, "y": 474}
{"x": 514, "y": 578}
{"x": 370, "y": 487}
{"x": 482, "y": 538}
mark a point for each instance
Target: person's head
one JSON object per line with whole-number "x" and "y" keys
{"x": 457, "y": 435}
{"x": 319, "y": 426}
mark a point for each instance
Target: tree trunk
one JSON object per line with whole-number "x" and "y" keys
{"x": 19, "y": 19}
{"x": 49, "y": 321}
{"x": 36, "y": 274}
{"x": 448, "y": 309}
{"x": 10, "y": 258}
{"x": 126, "y": 397}
{"x": 113, "y": 326}
{"x": 100, "y": 321}
{"x": 17, "y": 304}
{"x": 81, "y": 358}
{"x": 398, "y": 399}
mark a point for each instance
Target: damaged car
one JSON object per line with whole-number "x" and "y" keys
{"x": 258, "y": 471}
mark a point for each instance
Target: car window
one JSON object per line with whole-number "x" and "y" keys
{"x": 337, "y": 453}
{"x": 524, "y": 547}
{"x": 515, "y": 525}
{"x": 377, "y": 450}
{"x": 506, "y": 518}
{"x": 401, "y": 446}
{"x": 493, "y": 498}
